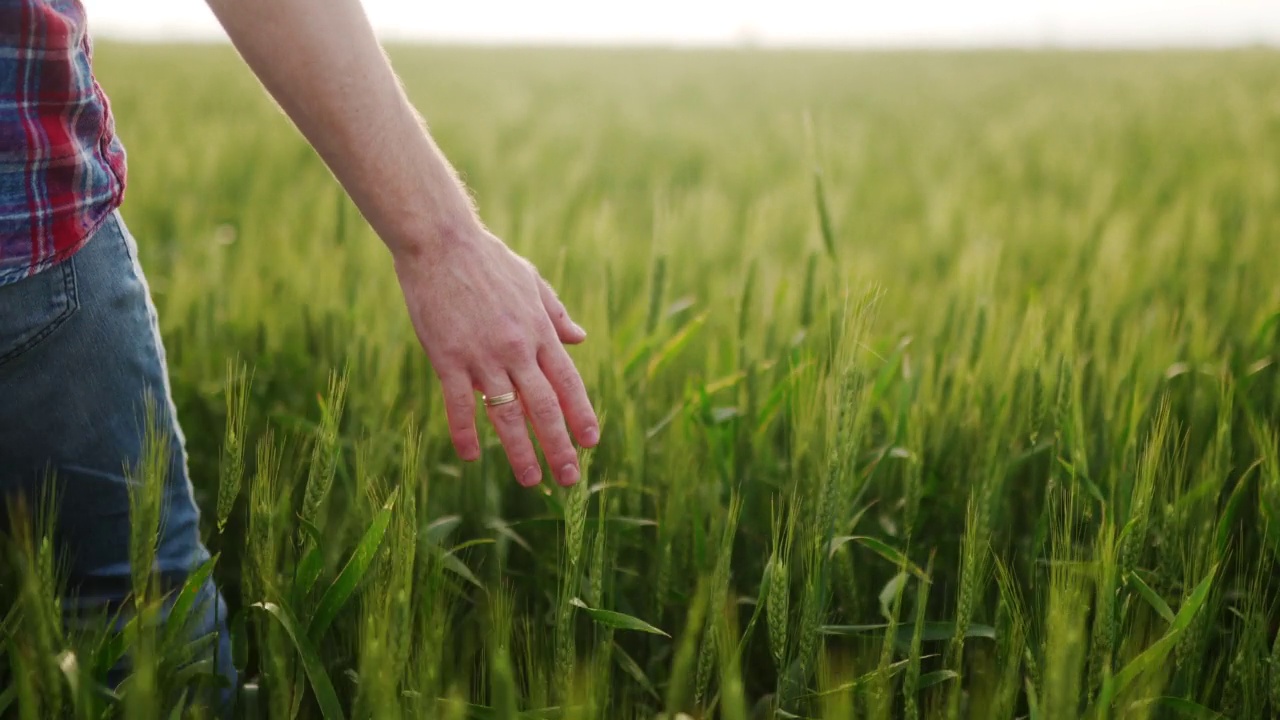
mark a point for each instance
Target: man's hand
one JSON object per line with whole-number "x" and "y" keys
{"x": 486, "y": 319}
{"x": 491, "y": 324}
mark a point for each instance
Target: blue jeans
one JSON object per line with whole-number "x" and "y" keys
{"x": 80, "y": 353}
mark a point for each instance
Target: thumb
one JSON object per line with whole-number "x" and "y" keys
{"x": 569, "y": 332}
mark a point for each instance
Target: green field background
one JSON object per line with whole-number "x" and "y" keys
{"x": 1009, "y": 320}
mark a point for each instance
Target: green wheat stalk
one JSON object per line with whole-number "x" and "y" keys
{"x": 231, "y": 463}
{"x": 324, "y": 454}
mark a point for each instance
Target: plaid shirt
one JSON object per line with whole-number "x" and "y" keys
{"x": 62, "y": 169}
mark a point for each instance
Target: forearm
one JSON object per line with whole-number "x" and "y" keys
{"x": 323, "y": 65}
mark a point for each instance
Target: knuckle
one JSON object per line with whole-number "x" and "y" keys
{"x": 545, "y": 409}
{"x": 460, "y": 427}
{"x": 520, "y": 455}
{"x": 561, "y": 454}
{"x": 568, "y": 378}
{"x": 453, "y": 353}
{"x": 459, "y": 401}
{"x": 463, "y": 436}
{"x": 514, "y": 346}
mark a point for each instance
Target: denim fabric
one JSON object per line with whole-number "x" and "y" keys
{"x": 80, "y": 353}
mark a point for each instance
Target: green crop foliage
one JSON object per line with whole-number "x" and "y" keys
{"x": 936, "y": 386}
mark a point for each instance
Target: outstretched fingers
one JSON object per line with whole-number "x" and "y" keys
{"x": 547, "y": 394}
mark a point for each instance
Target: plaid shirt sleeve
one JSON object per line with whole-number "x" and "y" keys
{"x": 62, "y": 168}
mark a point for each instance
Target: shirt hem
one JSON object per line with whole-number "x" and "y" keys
{"x": 8, "y": 277}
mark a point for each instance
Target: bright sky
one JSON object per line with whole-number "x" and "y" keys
{"x": 853, "y": 22}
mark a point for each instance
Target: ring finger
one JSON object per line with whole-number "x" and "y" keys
{"x": 506, "y": 412}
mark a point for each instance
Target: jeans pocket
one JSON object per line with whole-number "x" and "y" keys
{"x": 32, "y": 308}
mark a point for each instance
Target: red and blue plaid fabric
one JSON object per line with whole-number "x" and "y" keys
{"x": 62, "y": 168}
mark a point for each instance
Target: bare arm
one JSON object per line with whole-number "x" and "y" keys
{"x": 485, "y": 318}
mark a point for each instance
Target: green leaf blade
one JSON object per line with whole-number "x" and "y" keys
{"x": 321, "y": 685}
{"x": 617, "y": 620}
{"x": 882, "y": 549}
{"x": 1153, "y": 599}
{"x": 343, "y": 586}
{"x": 1160, "y": 649}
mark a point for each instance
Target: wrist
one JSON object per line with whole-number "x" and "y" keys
{"x": 434, "y": 236}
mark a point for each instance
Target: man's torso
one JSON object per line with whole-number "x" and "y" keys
{"x": 62, "y": 168}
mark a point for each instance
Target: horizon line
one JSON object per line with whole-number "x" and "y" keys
{"x": 916, "y": 45}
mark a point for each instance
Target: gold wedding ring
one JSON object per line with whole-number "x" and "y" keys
{"x": 502, "y": 399}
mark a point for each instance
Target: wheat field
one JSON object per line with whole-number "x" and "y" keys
{"x": 933, "y": 385}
